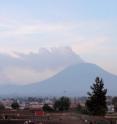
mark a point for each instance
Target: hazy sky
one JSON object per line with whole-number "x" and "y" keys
{"x": 87, "y": 26}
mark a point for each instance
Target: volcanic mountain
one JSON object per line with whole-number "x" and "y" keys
{"x": 72, "y": 81}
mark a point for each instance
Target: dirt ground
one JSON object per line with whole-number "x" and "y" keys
{"x": 19, "y": 117}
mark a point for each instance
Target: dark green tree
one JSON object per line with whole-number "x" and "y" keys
{"x": 96, "y": 102}
{"x": 62, "y": 104}
{"x": 47, "y": 108}
{"x": 81, "y": 109}
{"x": 15, "y": 105}
{"x": 114, "y": 102}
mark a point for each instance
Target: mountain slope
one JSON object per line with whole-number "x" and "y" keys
{"x": 74, "y": 80}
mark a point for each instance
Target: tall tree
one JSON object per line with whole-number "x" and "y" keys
{"x": 96, "y": 102}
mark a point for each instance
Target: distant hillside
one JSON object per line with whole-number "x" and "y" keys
{"x": 73, "y": 81}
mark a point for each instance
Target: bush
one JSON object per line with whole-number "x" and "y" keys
{"x": 2, "y": 107}
{"x": 15, "y": 105}
{"x": 47, "y": 108}
{"x": 81, "y": 109}
{"x": 62, "y": 104}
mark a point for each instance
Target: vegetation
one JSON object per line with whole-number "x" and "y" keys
{"x": 62, "y": 104}
{"x": 15, "y": 105}
{"x": 47, "y": 108}
{"x": 96, "y": 102}
{"x": 81, "y": 109}
{"x": 2, "y": 107}
{"x": 114, "y": 102}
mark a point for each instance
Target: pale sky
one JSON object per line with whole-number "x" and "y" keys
{"x": 87, "y": 26}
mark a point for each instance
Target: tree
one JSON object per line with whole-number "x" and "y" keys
{"x": 47, "y": 108}
{"x": 81, "y": 109}
{"x": 2, "y": 107}
{"x": 62, "y": 104}
{"x": 96, "y": 102}
{"x": 15, "y": 105}
{"x": 114, "y": 102}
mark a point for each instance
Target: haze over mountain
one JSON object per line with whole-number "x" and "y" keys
{"x": 21, "y": 68}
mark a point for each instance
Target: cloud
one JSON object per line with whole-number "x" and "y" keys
{"x": 50, "y": 58}
{"x": 24, "y": 37}
{"x": 21, "y": 29}
{"x": 16, "y": 29}
{"x": 88, "y": 38}
{"x": 20, "y": 75}
{"x": 99, "y": 50}
{"x": 91, "y": 45}
{"x": 34, "y": 67}
{"x": 20, "y": 35}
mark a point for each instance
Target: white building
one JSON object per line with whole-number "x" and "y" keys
{"x": 110, "y": 108}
